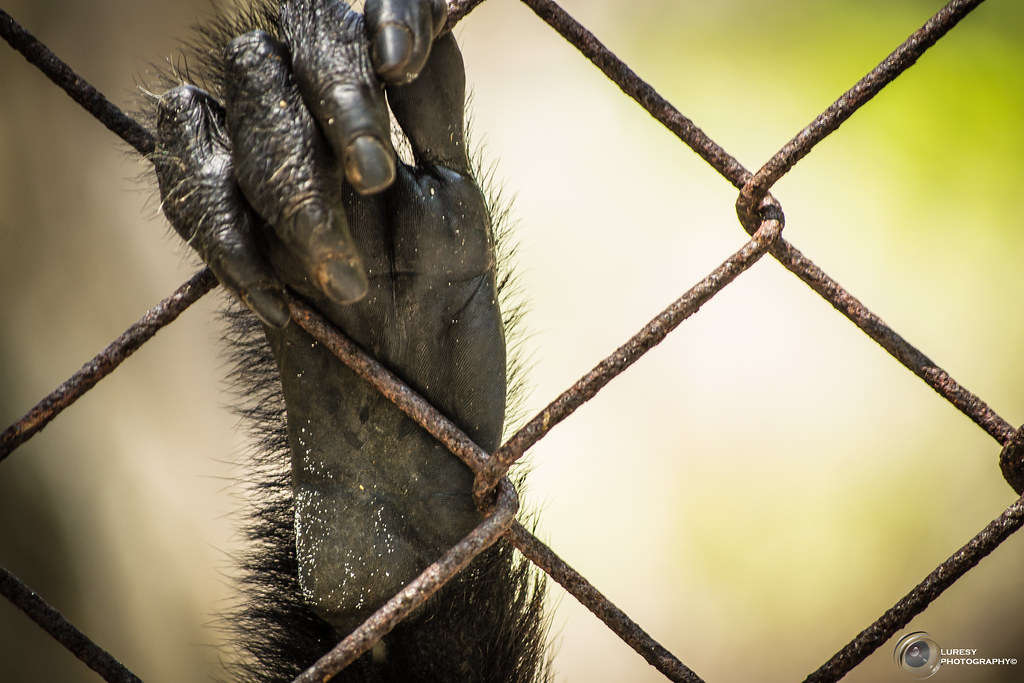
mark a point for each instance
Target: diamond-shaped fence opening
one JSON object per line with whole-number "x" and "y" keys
{"x": 757, "y": 534}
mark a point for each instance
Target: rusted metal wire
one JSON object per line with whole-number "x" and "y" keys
{"x": 1011, "y": 461}
{"x": 901, "y": 59}
{"x": 643, "y": 341}
{"x": 63, "y": 631}
{"x": 418, "y": 590}
{"x": 102, "y": 109}
{"x": 106, "y": 361}
{"x": 944, "y": 576}
{"x": 900, "y": 349}
{"x": 603, "y": 608}
{"x": 458, "y": 9}
{"x": 646, "y": 96}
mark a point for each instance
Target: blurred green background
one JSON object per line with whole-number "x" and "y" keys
{"x": 754, "y": 492}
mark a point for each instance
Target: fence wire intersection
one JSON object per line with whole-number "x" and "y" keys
{"x": 762, "y": 218}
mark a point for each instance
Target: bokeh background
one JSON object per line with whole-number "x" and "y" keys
{"x": 753, "y": 492}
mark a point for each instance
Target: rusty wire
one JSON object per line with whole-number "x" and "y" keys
{"x": 458, "y": 9}
{"x": 643, "y": 341}
{"x": 1011, "y": 461}
{"x": 886, "y": 337}
{"x": 646, "y": 96}
{"x": 914, "y": 602}
{"x": 762, "y": 217}
{"x": 826, "y": 123}
{"x": 77, "y": 88}
{"x": 106, "y": 361}
{"x": 63, "y": 631}
{"x": 603, "y": 608}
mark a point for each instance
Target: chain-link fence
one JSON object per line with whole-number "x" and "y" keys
{"x": 761, "y": 215}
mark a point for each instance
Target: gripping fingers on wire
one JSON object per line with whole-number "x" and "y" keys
{"x": 301, "y": 120}
{"x": 203, "y": 203}
{"x": 287, "y": 171}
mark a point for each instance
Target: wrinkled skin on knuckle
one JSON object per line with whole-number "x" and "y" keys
{"x": 336, "y": 78}
{"x": 328, "y": 45}
{"x": 185, "y": 161}
{"x": 270, "y": 128}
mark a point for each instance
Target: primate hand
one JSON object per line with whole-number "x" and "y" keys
{"x": 255, "y": 184}
{"x": 287, "y": 177}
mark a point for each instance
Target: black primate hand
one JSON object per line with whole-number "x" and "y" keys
{"x": 287, "y": 178}
{"x": 261, "y": 184}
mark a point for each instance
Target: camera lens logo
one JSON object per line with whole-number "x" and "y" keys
{"x": 917, "y": 655}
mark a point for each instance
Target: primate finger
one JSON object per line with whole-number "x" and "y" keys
{"x": 331, "y": 62}
{"x": 430, "y": 109}
{"x": 285, "y": 169}
{"x": 400, "y": 33}
{"x": 203, "y": 203}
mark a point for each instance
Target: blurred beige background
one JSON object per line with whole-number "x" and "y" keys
{"x": 754, "y": 492}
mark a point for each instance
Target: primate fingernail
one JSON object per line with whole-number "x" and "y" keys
{"x": 392, "y": 48}
{"x": 269, "y": 305}
{"x": 343, "y": 280}
{"x": 369, "y": 165}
